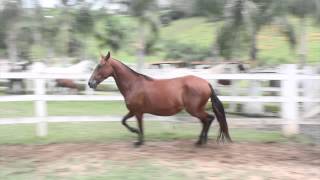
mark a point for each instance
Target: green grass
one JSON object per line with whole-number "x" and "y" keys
{"x": 63, "y": 108}
{"x": 196, "y": 31}
{"x": 16, "y": 109}
{"x": 114, "y": 131}
{"x": 273, "y": 46}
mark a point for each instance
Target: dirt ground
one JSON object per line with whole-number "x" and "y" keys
{"x": 214, "y": 161}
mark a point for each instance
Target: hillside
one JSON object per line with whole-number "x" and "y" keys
{"x": 273, "y": 46}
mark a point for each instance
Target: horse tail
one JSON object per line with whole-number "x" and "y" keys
{"x": 218, "y": 110}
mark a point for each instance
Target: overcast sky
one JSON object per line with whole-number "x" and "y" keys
{"x": 44, "y": 3}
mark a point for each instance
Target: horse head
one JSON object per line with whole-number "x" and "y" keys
{"x": 102, "y": 71}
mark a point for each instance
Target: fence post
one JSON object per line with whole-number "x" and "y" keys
{"x": 40, "y": 104}
{"x": 254, "y": 108}
{"x": 289, "y": 108}
{"x": 309, "y": 90}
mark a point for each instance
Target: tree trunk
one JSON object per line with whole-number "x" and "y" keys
{"x": 37, "y": 36}
{"x": 302, "y": 52}
{"x": 215, "y": 51}
{"x": 51, "y": 52}
{"x": 141, "y": 48}
{"x": 11, "y": 43}
{"x": 254, "y": 49}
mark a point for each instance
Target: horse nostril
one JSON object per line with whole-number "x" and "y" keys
{"x": 90, "y": 84}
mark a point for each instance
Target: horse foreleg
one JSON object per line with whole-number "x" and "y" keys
{"x": 140, "y": 125}
{"x": 124, "y": 122}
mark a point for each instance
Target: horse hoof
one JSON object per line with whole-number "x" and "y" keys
{"x": 198, "y": 144}
{"x": 133, "y": 130}
{"x": 138, "y": 143}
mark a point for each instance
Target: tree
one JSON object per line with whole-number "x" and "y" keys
{"x": 37, "y": 23}
{"x": 144, "y": 12}
{"x": 114, "y": 34}
{"x": 83, "y": 24}
{"x": 304, "y": 9}
{"x": 9, "y": 20}
{"x": 245, "y": 18}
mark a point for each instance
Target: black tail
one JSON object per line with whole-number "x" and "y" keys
{"x": 218, "y": 110}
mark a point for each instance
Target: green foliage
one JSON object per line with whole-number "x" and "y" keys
{"x": 10, "y": 13}
{"x": 139, "y": 8}
{"x": 84, "y": 22}
{"x": 186, "y": 52}
{"x": 225, "y": 42}
{"x": 67, "y": 30}
{"x": 114, "y": 33}
{"x": 211, "y": 8}
{"x": 232, "y": 40}
{"x": 23, "y": 45}
{"x": 153, "y": 36}
{"x": 246, "y": 19}
{"x": 37, "y": 52}
{"x": 302, "y": 8}
{"x": 2, "y": 38}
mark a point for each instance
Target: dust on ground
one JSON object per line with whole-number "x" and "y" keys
{"x": 213, "y": 161}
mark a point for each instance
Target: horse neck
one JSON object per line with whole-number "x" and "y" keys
{"x": 124, "y": 77}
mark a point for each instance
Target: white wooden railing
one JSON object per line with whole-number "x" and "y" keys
{"x": 289, "y": 93}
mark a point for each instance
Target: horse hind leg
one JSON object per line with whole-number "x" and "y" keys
{"x": 206, "y": 131}
{"x": 206, "y": 121}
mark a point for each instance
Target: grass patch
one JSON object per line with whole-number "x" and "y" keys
{"x": 63, "y": 108}
{"x": 16, "y": 109}
{"x": 114, "y": 131}
{"x": 197, "y": 31}
{"x": 273, "y": 46}
{"x": 86, "y": 108}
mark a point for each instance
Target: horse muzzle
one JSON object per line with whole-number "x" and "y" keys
{"x": 93, "y": 84}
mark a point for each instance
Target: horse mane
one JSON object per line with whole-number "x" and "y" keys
{"x": 136, "y": 73}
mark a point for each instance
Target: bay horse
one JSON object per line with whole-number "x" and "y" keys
{"x": 67, "y": 83}
{"x": 162, "y": 97}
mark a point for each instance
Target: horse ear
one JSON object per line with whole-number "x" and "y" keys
{"x": 101, "y": 55}
{"x": 107, "y": 56}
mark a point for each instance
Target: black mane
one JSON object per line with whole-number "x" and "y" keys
{"x": 136, "y": 73}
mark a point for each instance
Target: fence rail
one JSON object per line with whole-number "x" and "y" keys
{"x": 289, "y": 93}
{"x": 18, "y": 98}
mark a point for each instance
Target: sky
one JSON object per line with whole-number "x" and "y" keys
{"x": 45, "y": 3}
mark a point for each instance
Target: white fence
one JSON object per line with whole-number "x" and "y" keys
{"x": 289, "y": 98}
